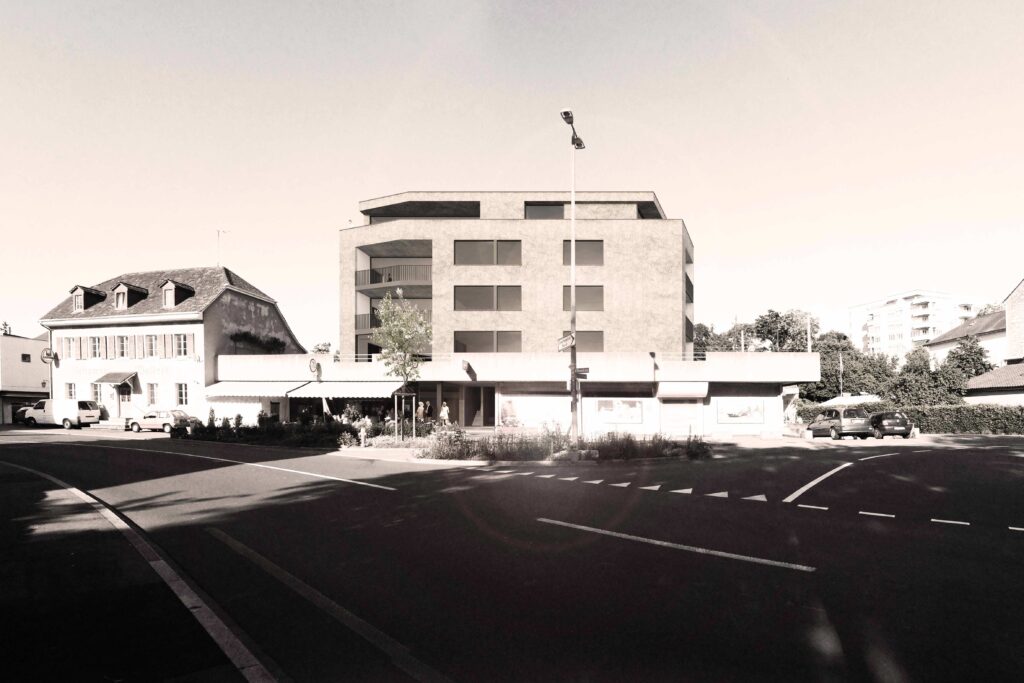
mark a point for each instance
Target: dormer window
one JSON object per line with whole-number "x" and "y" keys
{"x": 127, "y": 295}
{"x": 121, "y": 300}
{"x": 175, "y": 292}
{"x": 83, "y": 298}
{"x": 79, "y": 302}
{"x": 169, "y": 297}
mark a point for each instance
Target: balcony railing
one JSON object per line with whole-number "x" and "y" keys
{"x": 369, "y": 321}
{"x": 385, "y": 274}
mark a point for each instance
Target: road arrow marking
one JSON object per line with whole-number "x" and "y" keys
{"x": 594, "y": 481}
{"x": 760, "y": 497}
{"x": 568, "y": 478}
{"x": 720, "y": 494}
{"x": 545, "y": 476}
{"x": 656, "y": 487}
{"x": 622, "y": 485}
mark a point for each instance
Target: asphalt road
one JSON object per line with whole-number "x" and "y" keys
{"x": 904, "y": 563}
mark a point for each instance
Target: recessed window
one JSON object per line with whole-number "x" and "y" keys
{"x": 26, "y": 358}
{"x": 588, "y": 252}
{"x": 151, "y": 394}
{"x": 544, "y": 212}
{"x": 588, "y": 298}
{"x": 97, "y": 392}
{"x": 481, "y": 341}
{"x": 69, "y": 390}
{"x": 94, "y": 347}
{"x": 151, "y": 346}
{"x": 121, "y": 300}
{"x": 588, "y": 340}
{"x": 488, "y": 252}
{"x": 182, "y": 392}
{"x": 79, "y": 300}
{"x": 121, "y": 345}
{"x": 489, "y": 298}
{"x": 180, "y": 345}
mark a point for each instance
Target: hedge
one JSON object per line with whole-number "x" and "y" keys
{"x": 950, "y": 419}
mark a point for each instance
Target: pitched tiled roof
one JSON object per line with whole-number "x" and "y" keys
{"x": 983, "y": 324}
{"x": 208, "y": 283}
{"x": 1006, "y": 377}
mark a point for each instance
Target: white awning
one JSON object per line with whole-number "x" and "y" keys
{"x": 251, "y": 389}
{"x": 346, "y": 390}
{"x": 682, "y": 389}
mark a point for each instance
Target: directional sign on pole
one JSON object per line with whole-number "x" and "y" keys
{"x": 566, "y": 342}
{"x": 580, "y": 371}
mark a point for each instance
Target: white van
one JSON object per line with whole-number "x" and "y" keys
{"x": 68, "y": 412}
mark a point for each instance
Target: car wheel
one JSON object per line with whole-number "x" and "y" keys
{"x": 833, "y": 433}
{"x": 906, "y": 436}
{"x": 66, "y": 423}
{"x": 167, "y": 429}
{"x": 136, "y": 427}
{"x": 864, "y": 436}
{"x": 879, "y": 434}
{"x": 31, "y": 422}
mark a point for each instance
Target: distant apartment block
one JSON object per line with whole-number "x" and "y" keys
{"x": 898, "y": 324}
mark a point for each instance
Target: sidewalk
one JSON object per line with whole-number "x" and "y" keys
{"x": 80, "y": 603}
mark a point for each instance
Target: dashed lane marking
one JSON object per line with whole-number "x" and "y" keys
{"x": 568, "y": 478}
{"x": 872, "y": 457}
{"x": 524, "y": 474}
{"x": 719, "y": 494}
{"x": 760, "y": 497}
{"x": 875, "y": 514}
{"x": 811, "y": 507}
{"x": 244, "y": 660}
{"x": 399, "y": 654}
{"x": 504, "y": 471}
{"x": 656, "y": 487}
{"x": 622, "y": 485}
{"x": 594, "y": 481}
{"x": 545, "y": 476}
{"x": 1015, "y": 528}
{"x": 807, "y": 487}
{"x": 682, "y": 491}
{"x": 950, "y": 521}
{"x": 923, "y": 450}
{"x": 242, "y": 462}
{"x": 679, "y": 546}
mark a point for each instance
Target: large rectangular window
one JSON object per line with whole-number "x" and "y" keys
{"x": 182, "y": 392}
{"x": 489, "y": 298}
{"x": 151, "y": 394}
{"x": 180, "y": 345}
{"x": 69, "y": 390}
{"x": 121, "y": 346}
{"x": 588, "y": 298}
{"x": 488, "y": 252}
{"x": 97, "y": 392}
{"x": 588, "y": 340}
{"x": 151, "y": 346}
{"x": 588, "y": 252}
{"x": 544, "y": 212}
{"x": 94, "y": 347}
{"x": 479, "y": 341}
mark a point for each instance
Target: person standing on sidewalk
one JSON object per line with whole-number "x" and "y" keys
{"x": 444, "y": 413}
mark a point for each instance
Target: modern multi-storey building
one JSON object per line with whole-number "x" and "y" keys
{"x": 24, "y": 376}
{"x": 149, "y": 340}
{"x": 898, "y": 324}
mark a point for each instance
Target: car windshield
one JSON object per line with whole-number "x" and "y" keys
{"x": 854, "y": 412}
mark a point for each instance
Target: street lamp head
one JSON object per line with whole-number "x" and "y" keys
{"x": 567, "y": 116}
{"x": 577, "y": 142}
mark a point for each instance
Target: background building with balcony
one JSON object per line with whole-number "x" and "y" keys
{"x": 898, "y": 324}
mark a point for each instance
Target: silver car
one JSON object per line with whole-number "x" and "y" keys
{"x": 160, "y": 420}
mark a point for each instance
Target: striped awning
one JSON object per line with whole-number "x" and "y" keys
{"x": 346, "y": 390}
{"x": 251, "y": 389}
{"x": 682, "y": 389}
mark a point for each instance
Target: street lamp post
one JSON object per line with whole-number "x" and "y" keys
{"x": 577, "y": 143}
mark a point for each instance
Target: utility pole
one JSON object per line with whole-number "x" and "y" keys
{"x": 574, "y": 383}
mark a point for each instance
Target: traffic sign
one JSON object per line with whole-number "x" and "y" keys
{"x": 580, "y": 371}
{"x": 566, "y": 342}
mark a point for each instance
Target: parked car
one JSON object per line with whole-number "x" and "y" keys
{"x": 894, "y": 423}
{"x": 19, "y": 415}
{"x": 840, "y": 422}
{"x": 63, "y": 411}
{"x": 161, "y": 420}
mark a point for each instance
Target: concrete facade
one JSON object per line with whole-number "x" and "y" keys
{"x": 897, "y": 324}
{"x": 24, "y": 377}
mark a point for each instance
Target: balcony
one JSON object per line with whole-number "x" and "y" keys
{"x": 369, "y": 321}
{"x": 413, "y": 279}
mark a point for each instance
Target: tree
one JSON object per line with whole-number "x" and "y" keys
{"x": 772, "y": 328}
{"x": 861, "y": 373}
{"x": 786, "y": 331}
{"x": 404, "y": 335}
{"x": 969, "y": 357}
{"x": 5, "y": 328}
{"x": 918, "y": 384}
{"x": 322, "y": 347}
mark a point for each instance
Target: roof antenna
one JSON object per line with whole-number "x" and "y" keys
{"x": 218, "y": 243}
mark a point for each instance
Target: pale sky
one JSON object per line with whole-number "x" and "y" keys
{"x": 822, "y": 154}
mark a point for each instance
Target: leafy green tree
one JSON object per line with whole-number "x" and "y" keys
{"x": 918, "y": 384}
{"x": 404, "y": 336}
{"x": 786, "y": 331}
{"x": 969, "y": 357}
{"x": 861, "y": 373}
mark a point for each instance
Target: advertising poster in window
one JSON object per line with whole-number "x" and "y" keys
{"x": 741, "y": 410}
{"x": 620, "y": 411}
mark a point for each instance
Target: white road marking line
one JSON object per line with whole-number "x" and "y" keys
{"x": 875, "y": 514}
{"x": 679, "y": 546}
{"x": 950, "y": 521}
{"x": 807, "y": 487}
{"x": 811, "y": 507}
{"x": 244, "y": 660}
{"x": 504, "y": 471}
{"x": 720, "y": 494}
{"x": 1015, "y": 528}
{"x": 656, "y": 487}
{"x": 526, "y": 474}
{"x": 682, "y": 491}
{"x": 545, "y": 476}
{"x": 622, "y": 485}
{"x": 242, "y": 462}
{"x": 872, "y": 457}
{"x": 759, "y": 497}
{"x": 568, "y": 478}
{"x": 398, "y": 653}
{"x": 924, "y": 450}
{"x": 594, "y": 481}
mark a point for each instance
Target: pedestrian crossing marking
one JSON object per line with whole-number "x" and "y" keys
{"x": 545, "y": 476}
{"x": 568, "y": 478}
{"x": 720, "y": 494}
{"x": 761, "y": 497}
{"x": 682, "y": 491}
{"x": 656, "y": 487}
{"x": 594, "y": 481}
{"x": 622, "y": 485}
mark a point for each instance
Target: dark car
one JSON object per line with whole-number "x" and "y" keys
{"x": 840, "y": 422}
{"x": 892, "y": 423}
